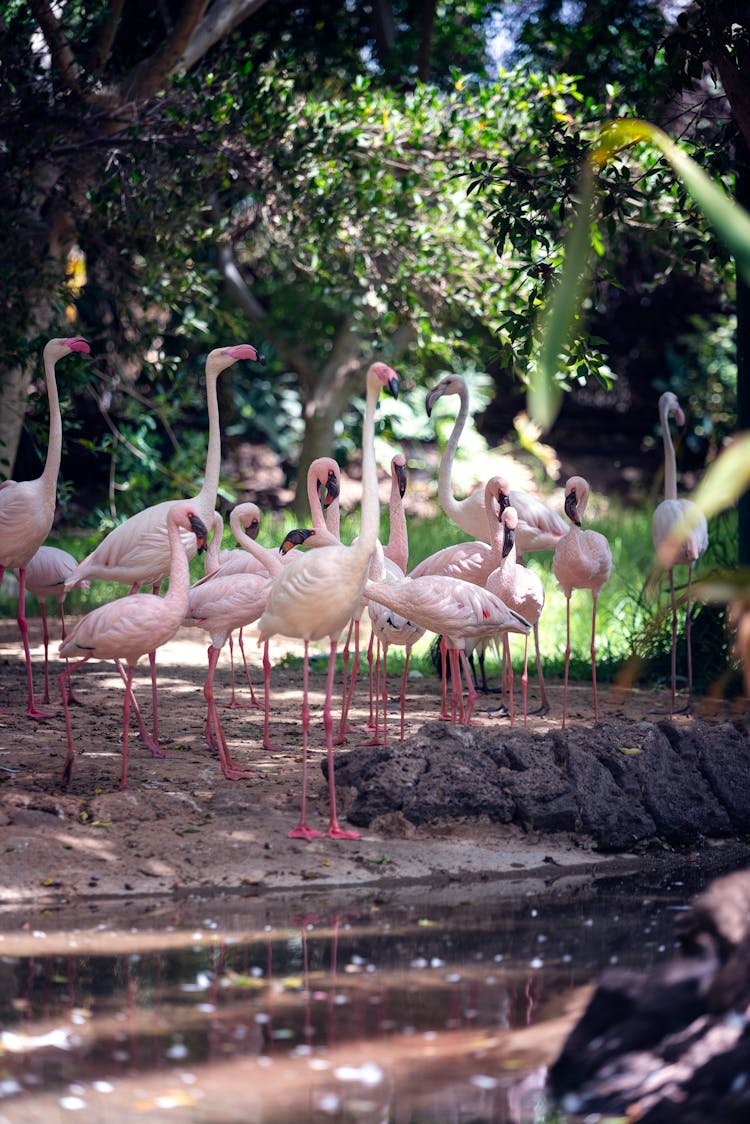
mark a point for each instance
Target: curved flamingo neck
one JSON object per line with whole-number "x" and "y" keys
{"x": 398, "y": 536}
{"x": 268, "y": 558}
{"x": 212, "y": 560}
{"x": 54, "y": 443}
{"x": 325, "y": 524}
{"x": 369, "y": 522}
{"x": 670, "y": 461}
{"x": 445, "y": 494}
{"x": 179, "y": 569}
{"x": 210, "y": 485}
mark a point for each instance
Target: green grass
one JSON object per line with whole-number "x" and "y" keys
{"x": 633, "y": 617}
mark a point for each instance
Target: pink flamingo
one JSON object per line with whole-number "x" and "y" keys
{"x": 539, "y": 527}
{"x": 45, "y": 577}
{"x": 137, "y": 551}
{"x": 395, "y": 560}
{"x": 27, "y": 507}
{"x": 130, "y": 627}
{"x": 460, "y": 611}
{"x": 680, "y": 534}
{"x": 582, "y": 560}
{"x": 521, "y": 589}
{"x": 318, "y": 592}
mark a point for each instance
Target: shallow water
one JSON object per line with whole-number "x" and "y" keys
{"x": 427, "y": 1013}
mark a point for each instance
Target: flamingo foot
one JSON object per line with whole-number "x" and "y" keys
{"x": 67, "y": 769}
{"x": 33, "y": 712}
{"x": 155, "y": 749}
{"x": 235, "y": 705}
{"x": 498, "y": 712}
{"x": 541, "y": 710}
{"x": 302, "y": 831}
{"x": 336, "y": 832}
{"x": 234, "y": 772}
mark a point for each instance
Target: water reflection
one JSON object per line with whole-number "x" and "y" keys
{"x": 387, "y": 1015}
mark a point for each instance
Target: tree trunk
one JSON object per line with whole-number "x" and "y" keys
{"x": 742, "y": 192}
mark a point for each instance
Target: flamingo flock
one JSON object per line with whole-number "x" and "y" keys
{"x": 472, "y": 594}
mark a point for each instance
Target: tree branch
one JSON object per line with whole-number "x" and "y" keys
{"x": 222, "y": 18}
{"x": 103, "y": 45}
{"x": 149, "y": 76}
{"x": 63, "y": 59}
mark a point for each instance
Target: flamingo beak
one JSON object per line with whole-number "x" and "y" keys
{"x": 392, "y": 385}
{"x": 571, "y": 507}
{"x": 431, "y": 399}
{"x": 245, "y": 351}
{"x": 509, "y": 539}
{"x": 296, "y": 537}
{"x": 401, "y": 479}
{"x": 198, "y": 527}
{"x": 332, "y": 490}
{"x": 253, "y": 528}
{"x": 78, "y": 343}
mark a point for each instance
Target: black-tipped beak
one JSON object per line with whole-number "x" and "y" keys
{"x": 393, "y": 386}
{"x": 430, "y": 401}
{"x": 401, "y": 479}
{"x": 509, "y": 539}
{"x": 253, "y": 528}
{"x": 296, "y": 537}
{"x": 332, "y": 490}
{"x": 571, "y": 507}
{"x": 503, "y": 501}
{"x": 198, "y": 527}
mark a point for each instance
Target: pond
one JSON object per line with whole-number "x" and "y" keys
{"x": 415, "y": 1013}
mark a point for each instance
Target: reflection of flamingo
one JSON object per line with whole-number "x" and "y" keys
{"x": 521, "y": 589}
{"x": 131, "y": 626}
{"x": 27, "y": 507}
{"x": 539, "y": 527}
{"x": 45, "y": 577}
{"x": 680, "y": 534}
{"x": 582, "y": 560}
{"x": 317, "y": 593}
{"x": 137, "y": 551}
{"x": 460, "y": 611}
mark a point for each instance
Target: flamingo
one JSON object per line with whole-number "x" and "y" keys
{"x": 137, "y": 552}
{"x": 129, "y": 627}
{"x": 458, "y": 610}
{"x": 27, "y": 507}
{"x": 582, "y": 560}
{"x": 522, "y": 590}
{"x": 539, "y": 527}
{"x": 318, "y": 592}
{"x": 231, "y": 598}
{"x": 680, "y": 534}
{"x": 45, "y": 577}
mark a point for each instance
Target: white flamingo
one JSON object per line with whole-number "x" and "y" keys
{"x": 27, "y": 507}
{"x": 680, "y": 534}
{"x": 129, "y": 627}
{"x": 137, "y": 551}
{"x": 582, "y": 560}
{"x": 521, "y": 589}
{"x": 318, "y": 592}
{"x": 539, "y": 527}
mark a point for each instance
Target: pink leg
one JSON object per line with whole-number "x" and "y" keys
{"x": 673, "y": 603}
{"x": 385, "y": 695}
{"x": 230, "y": 770}
{"x": 267, "y": 700}
{"x": 372, "y": 679}
{"x": 233, "y": 701}
{"x": 689, "y": 707}
{"x": 471, "y": 691}
{"x": 457, "y": 695}
{"x": 154, "y": 700}
{"x": 63, "y": 634}
{"x": 525, "y": 680}
{"x": 334, "y": 830}
{"x": 374, "y": 723}
{"x": 543, "y": 707}
{"x": 45, "y": 637}
{"x": 567, "y": 660}
{"x": 70, "y": 755}
{"x": 152, "y": 746}
{"x": 593, "y": 655}
{"x": 403, "y": 690}
{"x": 444, "y": 715}
{"x": 31, "y": 708}
{"x": 507, "y": 661}
{"x": 126, "y": 725}
{"x": 349, "y": 692}
{"x": 302, "y": 831}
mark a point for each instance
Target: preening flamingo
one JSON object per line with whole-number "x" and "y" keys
{"x": 521, "y": 589}
{"x": 129, "y": 627}
{"x": 539, "y": 527}
{"x": 45, "y": 577}
{"x": 460, "y": 611}
{"x": 318, "y": 592}
{"x": 137, "y": 551}
{"x": 680, "y": 534}
{"x": 27, "y": 507}
{"x": 582, "y": 560}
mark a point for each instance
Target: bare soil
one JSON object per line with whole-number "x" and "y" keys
{"x": 180, "y": 827}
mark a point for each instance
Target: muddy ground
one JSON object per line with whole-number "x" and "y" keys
{"x": 180, "y": 827}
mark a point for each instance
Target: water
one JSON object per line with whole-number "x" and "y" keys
{"x": 412, "y": 1014}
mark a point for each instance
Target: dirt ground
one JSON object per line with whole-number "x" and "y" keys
{"x": 181, "y": 827}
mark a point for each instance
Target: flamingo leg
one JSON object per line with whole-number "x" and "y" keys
{"x": 689, "y": 707}
{"x": 231, "y": 771}
{"x": 543, "y": 707}
{"x": 151, "y": 745}
{"x": 126, "y": 725}
{"x": 509, "y": 664}
{"x": 253, "y": 699}
{"x": 567, "y": 660}
{"x": 64, "y": 633}
{"x": 471, "y": 691}
{"x": 372, "y": 679}
{"x": 31, "y": 708}
{"x": 457, "y": 695}
{"x": 349, "y": 691}
{"x": 525, "y": 680}
{"x": 444, "y": 716}
{"x": 673, "y": 604}
{"x": 70, "y": 755}
{"x": 302, "y": 831}
{"x": 335, "y": 831}
{"x": 593, "y": 654}
{"x": 385, "y": 696}
{"x": 45, "y": 640}
{"x": 403, "y": 689}
{"x": 267, "y": 700}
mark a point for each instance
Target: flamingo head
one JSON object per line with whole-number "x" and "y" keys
{"x": 199, "y": 529}
{"x": 398, "y": 464}
{"x": 510, "y": 522}
{"x": 668, "y": 404}
{"x": 451, "y": 384}
{"x": 576, "y": 496}
{"x": 328, "y": 479}
{"x": 244, "y": 351}
{"x": 252, "y": 527}
{"x": 62, "y": 345}
{"x": 502, "y": 492}
{"x": 295, "y": 537}
{"x": 384, "y": 376}
{"x": 222, "y": 357}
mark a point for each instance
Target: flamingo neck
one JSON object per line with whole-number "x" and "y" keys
{"x": 326, "y": 525}
{"x": 369, "y": 522}
{"x": 398, "y": 536}
{"x": 268, "y": 558}
{"x": 210, "y": 485}
{"x": 54, "y": 443}
{"x": 447, "y": 500}
{"x": 670, "y": 461}
{"x": 179, "y": 571}
{"x": 213, "y": 551}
